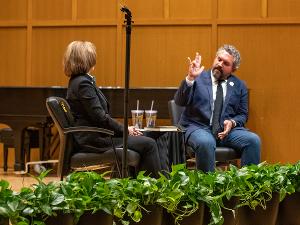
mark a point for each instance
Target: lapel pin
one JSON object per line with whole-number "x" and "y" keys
{"x": 231, "y": 83}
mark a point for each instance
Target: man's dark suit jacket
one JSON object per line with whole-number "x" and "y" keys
{"x": 198, "y": 102}
{"x": 90, "y": 108}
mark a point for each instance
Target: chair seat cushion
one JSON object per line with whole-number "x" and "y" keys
{"x": 223, "y": 154}
{"x": 83, "y": 159}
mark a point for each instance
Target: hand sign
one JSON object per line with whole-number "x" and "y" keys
{"x": 195, "y": 68}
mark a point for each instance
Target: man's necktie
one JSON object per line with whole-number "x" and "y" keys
{"x": 218, "y": 105}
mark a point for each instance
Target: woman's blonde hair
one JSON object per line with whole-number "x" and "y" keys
{"x": 80, "y": 57}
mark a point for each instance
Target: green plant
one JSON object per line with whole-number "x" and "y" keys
{"x": 126, "y": 203}
{"x": 40, "y": 201}
{"x": 86, "y": 191}
{"x": 212, "y": 188}
{"x": 8, "y": 203}
{"x": 145, "y": 188}
{"x": 180, "y": 193}
{"x": 290, "y": 178}
{"x": 176, "y": 192}
{"x": 254, "y": 185}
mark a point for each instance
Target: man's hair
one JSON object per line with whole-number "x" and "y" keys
{"x": 79, "y": 58}
{"x": 231, "y": 50}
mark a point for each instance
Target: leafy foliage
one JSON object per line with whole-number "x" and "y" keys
{"x": 180, "y": 193}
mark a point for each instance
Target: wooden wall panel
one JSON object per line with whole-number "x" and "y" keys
{"x": 49, "y": 45}
{"x": 153, "y": 9}
{"x": 97, "y": 9}
{"x": 13, "y": 10}
{"x": 191, "y": 9}
{"x": 163, "y": 52}
{"x": 287, "y": 8}
{"x": 13, "y": 56}
{"x": 268, "y": 53}
{"x": 269, "y": 69}
{"x": 51, "y": 9}
{"x": 239, "y": 9}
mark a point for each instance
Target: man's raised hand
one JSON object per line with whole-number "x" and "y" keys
{"x": 195, "y": 68}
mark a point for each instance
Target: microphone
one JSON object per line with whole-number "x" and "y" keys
{"x": 126, "y": 10}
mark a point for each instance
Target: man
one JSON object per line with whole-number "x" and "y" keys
{"x": 216, "y": 110}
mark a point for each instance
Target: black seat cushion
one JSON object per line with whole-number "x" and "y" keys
{"x": 223, "y": 154}
{"x": 83, "y": 159}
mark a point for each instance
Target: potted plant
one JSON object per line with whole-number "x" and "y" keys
{"x": 178, "y": 197}
{"x": 249, "y": 195}
{"x": 88, "y": 198}
{"x": 127, "y": 207}
{"x": 260, "y": 191}
{"x": 219, "y": 197}
{"x": 5, "y": 196}
{"x": 147, "y": 190}
{"x": 41, "y": 203}
{"x": 288, "y": 207}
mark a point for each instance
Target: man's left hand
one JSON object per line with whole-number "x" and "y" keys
{"x": 227, "y": 128}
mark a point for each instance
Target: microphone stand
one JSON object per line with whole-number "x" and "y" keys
{"x": 127, "y": 74}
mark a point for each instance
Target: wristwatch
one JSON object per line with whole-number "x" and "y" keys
{"x": 233, "y": 123}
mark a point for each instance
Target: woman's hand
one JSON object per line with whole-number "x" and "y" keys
{"x": 134, "y": 132}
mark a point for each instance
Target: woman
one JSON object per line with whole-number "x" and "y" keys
{"x": 90, "y": 108}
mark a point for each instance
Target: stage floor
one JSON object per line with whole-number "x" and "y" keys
{"x": 19, "y": 181}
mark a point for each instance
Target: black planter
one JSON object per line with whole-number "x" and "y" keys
{"x": 289, "y": 213}
{"x": 4, "y": 221}
{"x": 260, "y": 216}
{"x": 60, "y": 219}
{"x": 230, "y": 217}
{"x": 194, "y": 219}
{"x": 154, "y": 216}
{"x": 89, "y": 218}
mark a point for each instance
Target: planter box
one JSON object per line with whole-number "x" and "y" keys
{"x": 60, "y": 219}
{"x": 260, "y": 216}
{"x": 229, "y": 217}
{"x": 289, "y": 213}
{"x": 153, "y": 217}
{"x": 4, "y": 221}
{"x": 89, "y": 218}
{"x": 195, "y": 219}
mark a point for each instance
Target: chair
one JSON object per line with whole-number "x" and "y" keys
{"x": 69, "y": 157}
{"x": 7, "y": 138}
{"x": 223, "y": 154}
{"x": 30, "y": 136}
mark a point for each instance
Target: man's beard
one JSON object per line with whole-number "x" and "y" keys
{"x": 218, "y": 74}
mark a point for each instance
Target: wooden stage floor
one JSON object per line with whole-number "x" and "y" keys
{"x": 19, "y": 181}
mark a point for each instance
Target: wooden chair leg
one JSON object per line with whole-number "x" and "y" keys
{"x": 25, "y": 146}
{"x": 5, "y": 156}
